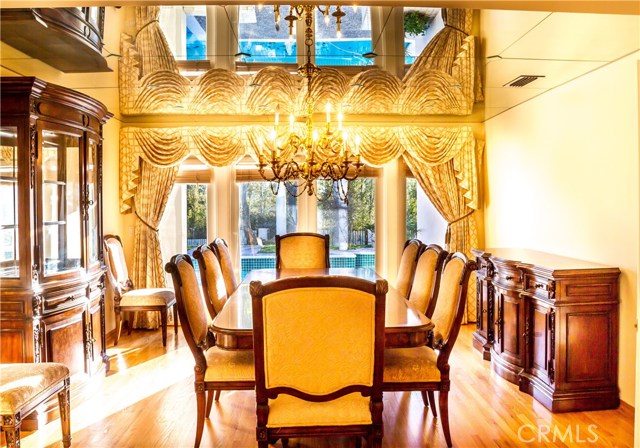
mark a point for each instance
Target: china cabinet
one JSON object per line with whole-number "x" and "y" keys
{"x": 51, "y": 261}
{"x": 69, "y": 39}
{"x": 551, "y": 326}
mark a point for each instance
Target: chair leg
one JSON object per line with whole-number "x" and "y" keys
{"x": 175, "y": 318}
{"x": 200, "y": 398}
{"x": 210, "y": 395}
{"x": 64, "y": 401}
{"x": 425, "y": 399}
{"x": 432, "y": 402}
{"x": 163, "y": 318}
{"x": 12, "y": 434}
{"x": 218, "y": 395}
{"x": 443, "y": 395}
{"x": 131, "y": 316}
{"x": 118, "y": 326}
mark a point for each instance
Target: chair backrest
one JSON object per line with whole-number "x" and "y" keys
{"x": 451, "y": 302}
{"x": 213, "y": 286}
{"x": 302, "y": 250}
{"x": 191, "y": 306}
{"x": 221, "y": 250}
{"x": 117, "y": 271}
{"x": 315, "y": 336}
{"x": 407, "y": 268}
{"x": 426, "y": 280}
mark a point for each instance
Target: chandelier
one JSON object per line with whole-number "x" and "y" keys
{"x": 308, "y": 156}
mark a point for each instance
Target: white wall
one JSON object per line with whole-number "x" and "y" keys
{"x": 562, "y": 177}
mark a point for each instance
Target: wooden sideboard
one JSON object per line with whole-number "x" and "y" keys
{"x": 550, "y": 325}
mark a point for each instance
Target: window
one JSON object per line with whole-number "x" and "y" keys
{"x": 260, "y": 38}
{"x": 185, "y": 28}
{"x": 420, "y": 25}
{"x": 351, "y": 227}
{"x": 355, "y": 39}
{"x": 263, "y": 215}
{"x": 185, "y": 220}
{"x": 423, "y": 220}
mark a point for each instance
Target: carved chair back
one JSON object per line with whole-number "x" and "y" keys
{"x": 407, "y": 268}
{"x": 221, "y": 250}
{"x": 426, "y": 280}
{"x": 191, "y": 307}
{"x": 117, "y": 270}
{"x": 302, "y": 250}
{"x": 450, "y": 305}
{"x": 212, "y": 279}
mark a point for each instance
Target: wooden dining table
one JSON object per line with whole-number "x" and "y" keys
{"x": 405, "y": 326}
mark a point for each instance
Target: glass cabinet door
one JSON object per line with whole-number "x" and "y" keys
{"x": 9, "y": 241}
{"x": 91, "y": 202}
{"x": 61, "y": 213}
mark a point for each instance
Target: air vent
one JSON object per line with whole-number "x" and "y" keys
{"x": 522, "y": 80}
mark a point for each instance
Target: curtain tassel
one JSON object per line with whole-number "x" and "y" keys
{"x": 447, "y": 236}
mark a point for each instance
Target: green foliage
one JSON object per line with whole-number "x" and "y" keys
{"x": 196, "y": 211}
{"x": 362, "y": 201}
{"x": 416, "y": 23}
{"x": 412, "y": 208}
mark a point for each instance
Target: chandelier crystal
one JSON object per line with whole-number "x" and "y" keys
{"x": 308, "y": 156}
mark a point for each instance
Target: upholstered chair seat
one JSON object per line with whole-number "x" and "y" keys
{"x": 24, "y": 387}
{"x": 148, "y": 297}
{"x": 226, "y": 365}
{"x": 126, "y": 298}
{"x": 289, "y": 411}
{"x": 215, "y": 369}
{"x": 408, "y": 365}
{"x": 302, "y": 250}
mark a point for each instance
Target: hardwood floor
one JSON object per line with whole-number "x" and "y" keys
{"x": 147, "y": 400}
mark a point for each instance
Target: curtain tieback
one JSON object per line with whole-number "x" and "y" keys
{"x": 447, "y": 237}
{"x": 145, "y": 222}
{"x": 456, "y": 28}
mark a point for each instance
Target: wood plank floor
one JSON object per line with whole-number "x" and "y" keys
{"x": 147, "y": 400}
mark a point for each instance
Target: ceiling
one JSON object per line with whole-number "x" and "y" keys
{"x": 558, "y": 46}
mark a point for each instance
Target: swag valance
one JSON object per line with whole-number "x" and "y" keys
{"x": 223, "y": 146}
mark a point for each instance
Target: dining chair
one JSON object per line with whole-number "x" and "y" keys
{"x": 126, "y": 298}
{"x": 213, "y": 286}
{"x": 318, "y": 348}
{"x": 425, "y": 368}
{"x": 26, "y": 386}
{"x": 302, "y": 250}
{"x": 215, "y": 369}
{"x": 426, "y": 280}
{"x": 407, "y": 268}
{"x": 221, "y": 249}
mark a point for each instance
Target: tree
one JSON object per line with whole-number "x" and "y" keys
{"x": 196, "y": 211}
{"x": 412, "y": 208}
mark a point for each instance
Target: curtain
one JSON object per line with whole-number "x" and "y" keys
{"x": 150, "y": 201}
{"x": 452, "y": 187}
{"x": 151, "y": 43}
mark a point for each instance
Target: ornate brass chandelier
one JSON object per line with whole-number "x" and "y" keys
{"x": 301, "y": 159}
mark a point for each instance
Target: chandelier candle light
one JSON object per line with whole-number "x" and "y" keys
{"x": 310, "y": 156}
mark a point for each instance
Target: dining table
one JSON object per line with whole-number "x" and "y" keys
{"x": 405, "y": 325}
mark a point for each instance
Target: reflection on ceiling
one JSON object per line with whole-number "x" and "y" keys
{"x": 559, "y": 47}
